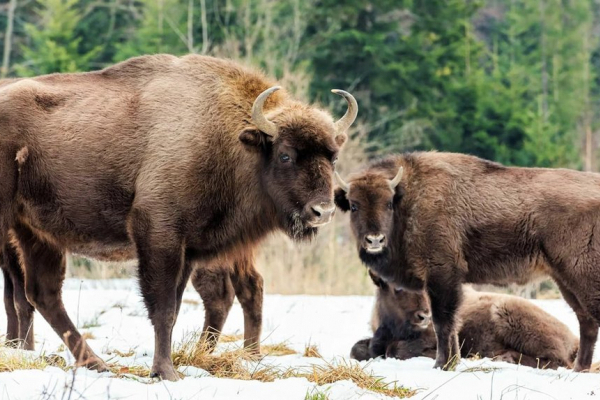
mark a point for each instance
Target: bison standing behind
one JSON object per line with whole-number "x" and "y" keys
{"x": 168, "y": 160}
{"x": 436, "y": 220}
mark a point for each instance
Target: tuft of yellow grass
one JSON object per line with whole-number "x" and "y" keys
{"x": 230, "y": 338}
{"x": 230, "y": 364}
{"x": 311, "y": 350}
{"x": 137, "y": 370}
{"x": 278, "y": 349}
{"x": 331, "y": 373}
{"x": 12, "y": 360}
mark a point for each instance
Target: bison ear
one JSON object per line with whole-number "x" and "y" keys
{"x": 339, "y": 197}
{"x": 341, "y": 139}
{"x": 253, "y": 137}
{"x": 377, "y": 280}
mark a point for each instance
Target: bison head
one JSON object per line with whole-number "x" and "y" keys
{"x": 372, "y": 199}
{"x": 299, "y": 146}
{"x": 405, "y": 312}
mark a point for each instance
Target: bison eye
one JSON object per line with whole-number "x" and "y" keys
{"x": 334, "y": 161}
{"x": 390, "y": 205}
{"x": 284, "y": 158}
{"x": 398, "y": 290}
{"x": 353, "y": 208}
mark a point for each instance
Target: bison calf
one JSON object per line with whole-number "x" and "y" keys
{"x": 502, "y": 327}
{"x": 438, "y": 220}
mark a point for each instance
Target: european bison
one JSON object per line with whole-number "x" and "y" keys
{"x": 502, "y": 327}
{"x": 436, "y": 220}
{"x": 168, "y": 160}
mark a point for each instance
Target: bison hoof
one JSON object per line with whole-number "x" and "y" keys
{"x": 95, "y": 364}
{"x": 166, "y": 373}
{"x": 581, "y": 368}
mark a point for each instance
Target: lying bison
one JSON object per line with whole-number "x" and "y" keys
{"x": 436, "y": 220}
{"x": 502, "y": 327}
{"x": 168, "y": 160}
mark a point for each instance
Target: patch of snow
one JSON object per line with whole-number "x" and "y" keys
{"x": 113, "y": 313}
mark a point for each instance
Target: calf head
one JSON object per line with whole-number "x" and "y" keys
{"x": 372, "y": 199}
{"x": 299, "y": 146}
{"x": 404, "y": 313}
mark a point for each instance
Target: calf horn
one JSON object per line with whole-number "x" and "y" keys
{"x": 258, "y": 118}
{"x": 342, "y": 125}
{"x": 345, "y": 187}
{"x": 394, "y": 182}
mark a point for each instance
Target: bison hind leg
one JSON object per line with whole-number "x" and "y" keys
{"x": 214, "y": 286}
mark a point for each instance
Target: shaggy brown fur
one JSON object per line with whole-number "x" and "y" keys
{"x": 502, "y": 327}
{"x": 455, "y": 218}
{"x": 156, "y": 158}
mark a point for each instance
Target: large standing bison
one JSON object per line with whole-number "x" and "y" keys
{"x": 168, "y": 160}
{"x": 441, "y": 219}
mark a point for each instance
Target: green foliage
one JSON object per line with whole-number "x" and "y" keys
{"x": 54, "y": 46}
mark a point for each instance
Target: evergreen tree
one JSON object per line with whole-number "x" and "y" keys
{"x": 53, "y": 45}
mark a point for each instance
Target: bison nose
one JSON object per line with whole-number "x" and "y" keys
{"x": 423, "y": 318}
{"x": 322, "y": 213}
{"x": 374, "y": 243}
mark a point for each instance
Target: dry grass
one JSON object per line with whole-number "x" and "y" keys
{"x": 231, "y": 364}
{"x": 331, "y": 373}
{"x": 230, "y": 338}
{"x": 279, "y": 349}
{"x": 136, "y": 370}
{"x": 239, "y": 364}
{"x": 12, "y": 360}
{"x": 311, "y": 350}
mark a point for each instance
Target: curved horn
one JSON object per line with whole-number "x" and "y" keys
{"x": 345, "y": 187}
{"x": 258, "y": 118}
{"x": 347, "y": 120}
{"x": 394, "y": 182}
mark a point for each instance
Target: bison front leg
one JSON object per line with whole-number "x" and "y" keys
{"x": 163, "y": 275}
{"x": 445, "y": 295}
{"x": 248, "y": 285}
{"x": 44, "y": 274}
{"x": 214, "y": 286}
{"x": 588, "y": 329}
{"x": 12, "y": 327}
{"x": 24, "y": 310}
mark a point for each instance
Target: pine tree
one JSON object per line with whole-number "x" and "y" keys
{"x": 53, "y": 44}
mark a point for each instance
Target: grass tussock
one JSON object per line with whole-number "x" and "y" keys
{"x": 240, "y": 364}
{"x": 278, "y": 349}
{"x": 12, "y": 360}
{"x": 230, "y": 338}
{"x": 331, "y": 373}
{"x": 311, "y": 350}
{"x": 234, "y": 364}
{"x": 136, "y": 370}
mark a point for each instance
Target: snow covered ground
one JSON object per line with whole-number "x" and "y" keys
{"x": 112, "y": 311}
